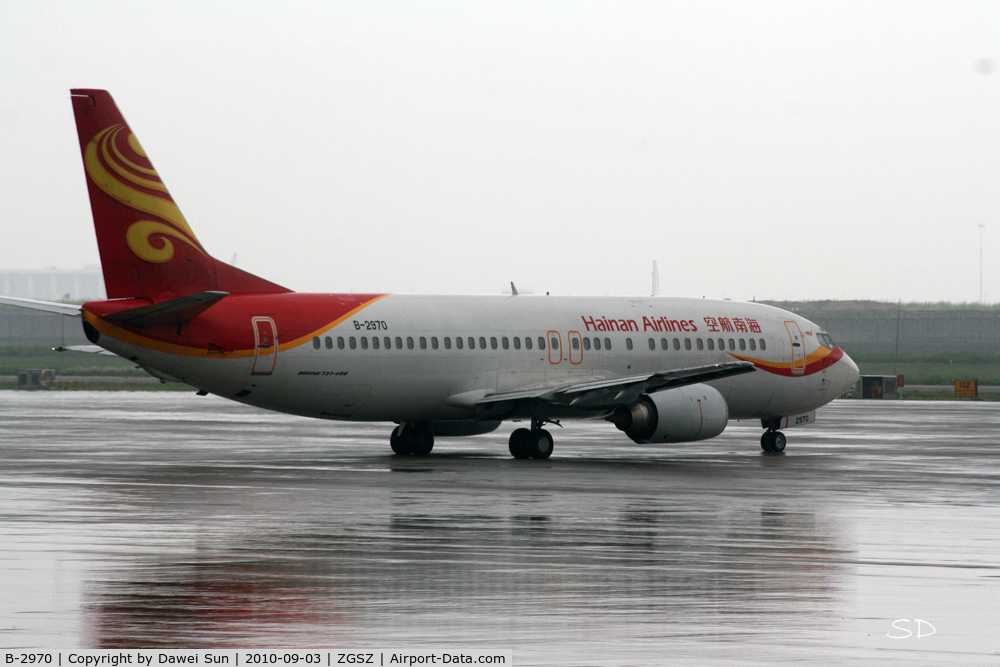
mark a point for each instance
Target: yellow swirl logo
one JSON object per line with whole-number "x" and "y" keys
{"x": 126, "y": 181}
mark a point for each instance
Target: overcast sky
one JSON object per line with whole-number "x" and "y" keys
{"x": 765, "y": 150}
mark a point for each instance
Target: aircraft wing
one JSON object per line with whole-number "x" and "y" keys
{"x": 67, "y": 309}
{"x": 598, "y": 394}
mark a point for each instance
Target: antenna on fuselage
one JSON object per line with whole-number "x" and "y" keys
{"x": 656, "y": 279}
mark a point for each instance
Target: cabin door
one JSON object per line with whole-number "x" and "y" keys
{"x": 265, "y": 346}
{"x": 798, "y": 348}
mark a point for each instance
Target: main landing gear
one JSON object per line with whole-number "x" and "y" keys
{"x": 772, "y": 441}
{"x": 412, "y": 439}
{"x": 535, "y": 443}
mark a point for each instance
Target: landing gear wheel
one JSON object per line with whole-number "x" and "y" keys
{"x": 412, "y": 439}
{"x": 423, "y": 440}
{"x": 519, "y": 443}
{"x": 541, "y": 444}
{"x": 772, "y": 441}
{"x": 397, "y": 442}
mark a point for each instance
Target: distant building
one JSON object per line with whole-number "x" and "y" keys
{"x": 86, "y": 284}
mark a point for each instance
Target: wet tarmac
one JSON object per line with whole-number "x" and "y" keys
{"x": 163, "y": 520}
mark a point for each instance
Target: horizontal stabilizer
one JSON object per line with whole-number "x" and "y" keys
{"x": 90, "y": 349}
{"x": 67, "y": 309}
{"x": 174, "y": 311}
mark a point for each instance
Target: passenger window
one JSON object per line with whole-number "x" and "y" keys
{"x": 677, "y": 344}
{"x": 527, "y": 342}
{"x": 447, "y": 342}
{"x": 711, "y": 344}
{"x": 354, "y": 343}
{"x": 687, "y": 343}
{"x": 472, "y": 343}
{"x": 575, "y": 342}
{"x": 652, "y": 344}
{"x": 517, "y": 342}
{"x": 762, "y": 345}
{"x": 434, "y": 342}
{"x": 753, "y": 345}
{"x": 399, "y": 343}
{"x": 597, "y": 343}
{"x": 364, "y": 342}
{"x": 722, "y": 343}
{"x": 628, "y": 343}
{"x": 388, "y": 343}
{"x": 493, "y": 342}
{"x": 664, "y": 344}
{"x": 329, "y": 343}
{"x": 316, "y": 343}
{"x": 423, "y": 343}
{"x": 732, "y": 344}
{"x": 743, "y": 344}
{"x": 374, "y": 343}
{"x": 541, "y": 342}
{"x": 701, "y": 344}
{"x": 409, "y": 342}
{"x": 505, "y": 342}
{"x": 555, "y": 343}
{"x": 607, "y": 343}
{"x": 459, "y": 343}
{"x": 482, "y": 343}
{"x": 586, "y": 343}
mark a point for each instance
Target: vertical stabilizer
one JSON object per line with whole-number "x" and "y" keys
{"x": 147, "y": 248}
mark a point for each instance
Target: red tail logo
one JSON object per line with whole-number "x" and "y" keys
{"x": 116, "y": 164}
{"x": 148, "y": 250}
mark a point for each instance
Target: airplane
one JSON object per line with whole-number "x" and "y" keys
{"x": 660, "y": 369}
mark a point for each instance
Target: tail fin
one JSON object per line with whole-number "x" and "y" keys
{"x": 147, "y": 248}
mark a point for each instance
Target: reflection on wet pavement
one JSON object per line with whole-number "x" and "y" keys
{"x": 138, "y": 520}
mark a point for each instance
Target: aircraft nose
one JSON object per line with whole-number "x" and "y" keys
{"x": 851, "y": 372}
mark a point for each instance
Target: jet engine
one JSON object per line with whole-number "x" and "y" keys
{"x": 685, "y": 414}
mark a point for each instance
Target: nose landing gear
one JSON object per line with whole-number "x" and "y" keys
{"x": 772, "y": 441}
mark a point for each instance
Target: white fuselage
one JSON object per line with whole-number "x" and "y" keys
{"x": 399, "y": 358}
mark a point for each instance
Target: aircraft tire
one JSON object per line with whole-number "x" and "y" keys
{"x": 541, "y": 444}
{"x": 520, "y": 440}
{"x": 422, "y": 440}
{"x": 767, "y": 441}
{"x": 778, "y": 442}
{"x": 398, "y": 442}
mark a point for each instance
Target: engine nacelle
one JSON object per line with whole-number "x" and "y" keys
{"x": 684, "y": 414}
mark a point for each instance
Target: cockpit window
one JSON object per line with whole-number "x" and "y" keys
{"x": 826, "y": 341}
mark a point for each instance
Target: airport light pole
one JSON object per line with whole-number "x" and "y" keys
{"x": 981, "y": 262}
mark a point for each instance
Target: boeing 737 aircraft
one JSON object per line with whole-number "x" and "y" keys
{"x": 660, "y": 369}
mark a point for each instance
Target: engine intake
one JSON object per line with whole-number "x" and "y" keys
{"x": 685, "y": 414}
